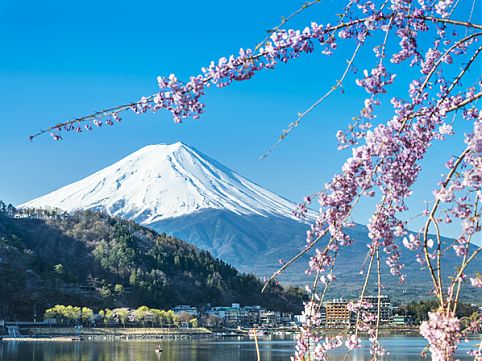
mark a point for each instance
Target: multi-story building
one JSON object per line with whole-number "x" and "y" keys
{"x": 322, "y": 315}
{"x": 402, "y": 320}
{"x": 232, "y": 316}
{"x": 337, "y": 313}
{"x": 385, "y": 307}
{"x": 269, "y": 318}
{"x": 286, "y": 318}
{"x": 179, "y": 309}
{"x": 253, "y": 314}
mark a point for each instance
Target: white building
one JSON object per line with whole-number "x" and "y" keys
{"x": 179, "y": 309}
{"x": 385, "y": 307}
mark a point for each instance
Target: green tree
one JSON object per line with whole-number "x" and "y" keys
{"x": 73, "y": 313}
{"x": 194, "y": 322}
{"x": 119, "y": 289}
{"x": 59, "y": 269}
{"x": 177, "y": 260}
{"x": 159, "y": 316}
{"x": 169, "y": 317}
{"x": 176, "y": 321}
{"x": 57, "y": 312}
{"x": 133, "y": 278}
{"x": 87, "y": 315}
{"x": 107, "y": 316}
{"x": 141, "y": 314}
{"x": 105, "y": 291}
{"x": 121, "y": 314}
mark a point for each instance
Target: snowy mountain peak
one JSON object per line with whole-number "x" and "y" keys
{"x": 165, "y": 181}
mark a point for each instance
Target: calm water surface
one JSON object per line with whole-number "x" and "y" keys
{"x": 237, "y": 349}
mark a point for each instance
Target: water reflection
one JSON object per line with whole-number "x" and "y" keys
{"x": 242, "y": 349}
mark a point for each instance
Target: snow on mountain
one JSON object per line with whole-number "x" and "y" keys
{"x": 160, "y": 182}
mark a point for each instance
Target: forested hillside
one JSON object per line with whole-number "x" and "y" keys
{"x": 91, "y": 259}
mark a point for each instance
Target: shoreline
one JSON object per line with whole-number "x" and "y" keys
{"x": 67, "y": 334}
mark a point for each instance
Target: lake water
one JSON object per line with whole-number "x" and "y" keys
{"x": 232, "y": 349}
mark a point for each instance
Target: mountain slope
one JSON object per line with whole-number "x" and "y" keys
{"x": 250, "y": 242}
{"x": 163, "y": 181}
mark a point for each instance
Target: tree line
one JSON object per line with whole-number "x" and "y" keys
{"x": 122, "y": 316}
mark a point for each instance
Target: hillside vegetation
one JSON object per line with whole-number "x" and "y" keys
{"x": 91, "y": 259}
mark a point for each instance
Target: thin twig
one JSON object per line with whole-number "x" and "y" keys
{"x": 430, "y": 219}
{"x": 294, "y": 124}
{"x": 284, "y": 20}
{"x": 441, "y": 58}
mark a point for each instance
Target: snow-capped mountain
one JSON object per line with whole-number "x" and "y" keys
{"x": 176, "y": 189}
{"x": 164, "y": 181}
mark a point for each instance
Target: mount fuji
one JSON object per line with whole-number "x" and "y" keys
{"x": 175, "y": 189}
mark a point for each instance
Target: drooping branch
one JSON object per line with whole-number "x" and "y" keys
{"x": 185, "y": 102}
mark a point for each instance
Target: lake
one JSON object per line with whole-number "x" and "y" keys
{"x": 229, "y": 349}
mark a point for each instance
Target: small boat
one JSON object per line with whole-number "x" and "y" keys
{"x": 158, "y": 349}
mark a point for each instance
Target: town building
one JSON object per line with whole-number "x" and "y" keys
{"x": 248, "y": 316}
{"x": 385, "y": 307}
{"x": 231, "y": 316}
{"x": 286, "y": 318}
{"x": 269, "y": 318}
{"x": 337, "y": 313}
{"x": 253, "y": 314}
{"x": 180, "y": 309}
{"x": 402, "y": 320}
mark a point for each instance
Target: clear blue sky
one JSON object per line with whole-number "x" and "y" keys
{"x": 63, "y": 58}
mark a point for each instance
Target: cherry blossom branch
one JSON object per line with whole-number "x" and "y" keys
{"x": 284, "y": 20}
{"x": 168, "y": 103}
{"x": 458, "y": 277}
{"x": 431, "y": 218}
{"x": 338, "y": 84}
{"x": 309, "y": 246}
{"x": 293, "y": 260}
{"x": 466, "y": 24}
{"x": 363, "y": 289}
{"x": 327, "y": 284}
{"x": 379, "y": 305}
{"x": 464, "y": 70}
{"x": 465, "y": 102}
{"x": 443, "y": 56}
{"x": 453, "y": 84}
{"x": 465, "y": 262}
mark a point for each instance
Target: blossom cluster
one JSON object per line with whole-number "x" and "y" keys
{"x": 476, "y": 281}
{"x": 443, "y": 332}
